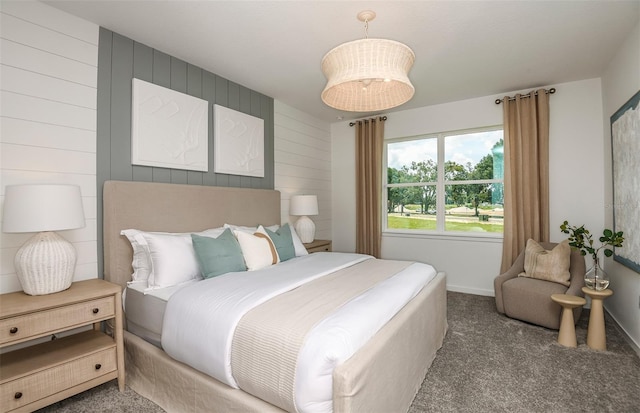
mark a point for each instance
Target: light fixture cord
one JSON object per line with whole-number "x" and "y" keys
{"x": 366, "y": 28}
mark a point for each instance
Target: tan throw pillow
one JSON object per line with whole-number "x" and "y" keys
{"x": 547, "y": 265}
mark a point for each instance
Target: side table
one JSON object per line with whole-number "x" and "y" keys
{"x": 318, "y": 245}
{"x": 596, "y": 336}
{"x": 567, "y": 333}
{"x": 36, "y": 376}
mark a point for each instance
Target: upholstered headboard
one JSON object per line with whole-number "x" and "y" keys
{"x": 175, "y": 208}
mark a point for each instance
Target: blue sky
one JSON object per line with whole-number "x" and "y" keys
{"x": 465, "y": 148}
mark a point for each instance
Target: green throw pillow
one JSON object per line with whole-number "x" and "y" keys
{"x": 283, "y": 242}
{"x": 218, "y": 256}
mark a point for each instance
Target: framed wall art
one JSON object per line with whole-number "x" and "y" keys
{"x": 625, "y": 151}
{"x": 238, "y": 143}
{"x": 168, "y": 129}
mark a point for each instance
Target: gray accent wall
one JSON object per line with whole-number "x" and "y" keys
{"x": 120, "y": 59}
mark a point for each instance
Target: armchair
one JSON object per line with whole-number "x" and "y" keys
{"x": 529, "y": 299}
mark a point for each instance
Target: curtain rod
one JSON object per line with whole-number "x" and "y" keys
{"x": 528, "y": 95}
{"x": 382, "y": 118}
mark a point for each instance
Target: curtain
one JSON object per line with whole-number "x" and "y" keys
{"x": 526, "y": 179}
{"x": 369, "y": 144}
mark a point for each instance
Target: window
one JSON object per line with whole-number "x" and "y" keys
{"x": 446, "y": 183}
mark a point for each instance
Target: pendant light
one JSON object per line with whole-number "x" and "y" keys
{"x": 367, "y": 75}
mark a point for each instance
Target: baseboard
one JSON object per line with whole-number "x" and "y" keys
{"x": 626, "y": 335}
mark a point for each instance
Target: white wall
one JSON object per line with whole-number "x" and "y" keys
{"x": 471, "y": 264}
{"x": 48, "y": 111}
{"x": 303, "y": 163}
{"x": 620, "y": 82}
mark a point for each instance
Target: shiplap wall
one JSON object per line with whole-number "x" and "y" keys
{"x": 48, "y": 80}
{"x": 303, "y": 163}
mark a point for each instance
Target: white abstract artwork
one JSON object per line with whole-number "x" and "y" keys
{"x": 169, "y": 129}
{"x": 625, "y": 144}
{"x": 238, "y": 143}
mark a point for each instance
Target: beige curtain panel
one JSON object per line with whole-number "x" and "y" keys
{"x": 369, "y": 141}
{"x": 526, "y": 165}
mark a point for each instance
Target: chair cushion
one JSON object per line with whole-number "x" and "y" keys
{"x": 529, "y": 299}
{"x": 547, "y": 265}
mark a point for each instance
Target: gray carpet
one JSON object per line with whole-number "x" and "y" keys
{"x": 488, "y": 363}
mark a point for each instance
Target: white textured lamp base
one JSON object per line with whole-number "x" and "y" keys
{"x": 45, "y": 264}
{"x": 306, "y": 229}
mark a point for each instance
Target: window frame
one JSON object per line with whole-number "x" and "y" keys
{"x": 440, "y": 184}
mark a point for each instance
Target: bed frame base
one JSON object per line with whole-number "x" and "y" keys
{"x": 383, "y": 376}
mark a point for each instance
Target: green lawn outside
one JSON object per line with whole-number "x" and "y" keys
{"x": 396, "y": 222}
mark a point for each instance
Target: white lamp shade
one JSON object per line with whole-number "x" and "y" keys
{"x": 46, "y": 262}
{"x": 47, "y": 207}
{"x": 303, "y": 205}
{"x": 368, "y": 75}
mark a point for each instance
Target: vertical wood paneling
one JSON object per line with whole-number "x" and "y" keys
{"x": 121, "y": 87}
{"x": 122, "y": 59}
{"x": 194, "y": 88}
{"x": 143, "y": 70}
{"x": 209, "y": 94}
{"x": 48, "y": 118}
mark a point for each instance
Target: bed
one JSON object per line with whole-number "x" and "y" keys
{"x": 382, "y": 376}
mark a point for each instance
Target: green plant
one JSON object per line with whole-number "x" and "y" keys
{"x": 581, "y": 239}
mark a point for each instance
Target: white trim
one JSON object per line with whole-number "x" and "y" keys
{"x": 440, "y": 185}
{"x": 439, "y": 235}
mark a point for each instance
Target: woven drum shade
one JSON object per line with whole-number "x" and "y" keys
{"x": 368, "y": 75}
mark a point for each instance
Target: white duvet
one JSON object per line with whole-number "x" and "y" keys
{"x": 201, "y": 318}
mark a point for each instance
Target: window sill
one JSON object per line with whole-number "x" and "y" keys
{"x": 448, "y": 236}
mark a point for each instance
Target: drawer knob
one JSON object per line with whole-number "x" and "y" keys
{"x": 96, "y": 310}
{"x": 98, "y": 366}
{"x": 13, "y": 330}
{"x": 17, "y": 395}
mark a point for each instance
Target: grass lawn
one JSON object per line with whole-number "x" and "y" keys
{"x": 396, "y": 222}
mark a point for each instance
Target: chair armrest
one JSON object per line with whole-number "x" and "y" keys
{"x": 516, "y": 268}
{"x": 577, "y": 268}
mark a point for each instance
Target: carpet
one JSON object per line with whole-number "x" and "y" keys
{"x": 488, "y": 363}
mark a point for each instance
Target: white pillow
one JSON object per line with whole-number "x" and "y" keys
{"x": 258, "y": 250}
{"x": 260, "y": 230}
{"x": 142, "y": 266}
{"x": 297, "y": 244}
{"x": 248, "y": 230}
{"x": 141, "y": 261}
{"x": 173, "y": 260}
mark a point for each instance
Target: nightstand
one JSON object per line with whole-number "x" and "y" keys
{"x": 318, "y": 245}
{"x": 36, "y": 376}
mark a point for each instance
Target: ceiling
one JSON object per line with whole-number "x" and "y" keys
{"x": 464, "y": 49}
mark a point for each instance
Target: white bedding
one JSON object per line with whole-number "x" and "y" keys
{"x": 200, "y": 319}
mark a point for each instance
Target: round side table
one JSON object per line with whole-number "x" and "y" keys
{"x": 567, "y": 333}
{"x": 596, "y": 336}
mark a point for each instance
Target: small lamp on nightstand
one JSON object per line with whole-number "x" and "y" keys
{"x": 46, "y": 262}
{"x": 304, "y": 205}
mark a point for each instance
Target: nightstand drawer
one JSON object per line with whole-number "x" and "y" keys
{"x": 322, "y": 248}
{"x": 36, "y": 386}
{"x": 318, "y": 245}
{"x": 25, "y": 327}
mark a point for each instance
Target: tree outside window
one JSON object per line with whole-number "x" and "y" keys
{"x": 456, "y": 189}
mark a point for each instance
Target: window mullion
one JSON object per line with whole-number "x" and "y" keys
{"x": 440, "y": 201}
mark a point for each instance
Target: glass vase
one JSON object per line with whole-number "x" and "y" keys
{"x": 596, "y": 278}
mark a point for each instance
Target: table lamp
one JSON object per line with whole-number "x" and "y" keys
{"x": 46, "y": 262}
{"x": 302, "y": 206}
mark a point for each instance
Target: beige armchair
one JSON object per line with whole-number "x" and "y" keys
{"x": 529, "y": 299}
